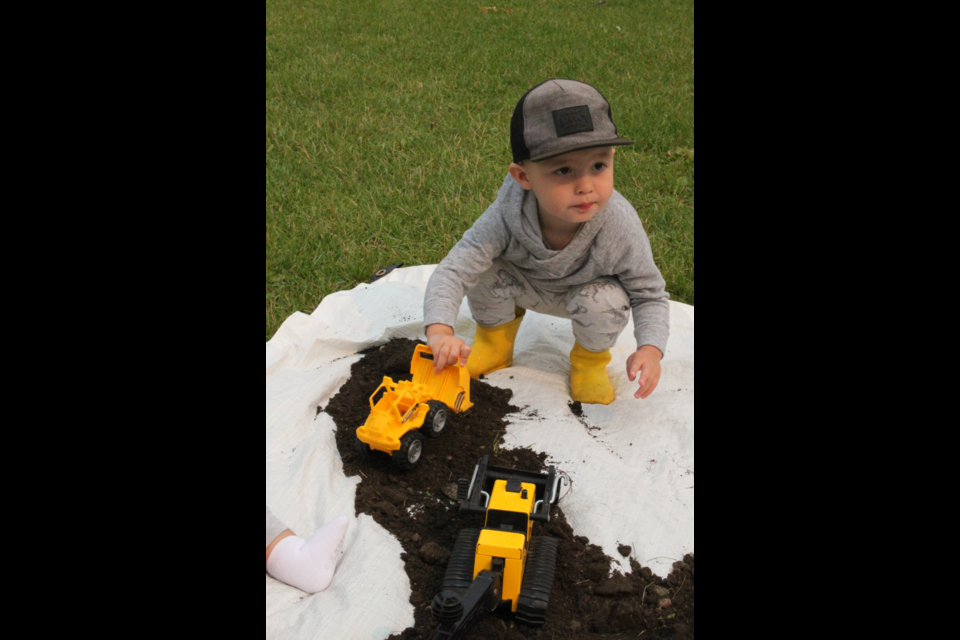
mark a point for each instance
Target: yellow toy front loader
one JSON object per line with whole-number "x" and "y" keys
{"x": 401, "y": 413}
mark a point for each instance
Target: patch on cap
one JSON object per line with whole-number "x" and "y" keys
{"x": 572, "y": 121}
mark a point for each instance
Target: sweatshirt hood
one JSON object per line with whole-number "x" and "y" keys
{"x": 521, "y": 214}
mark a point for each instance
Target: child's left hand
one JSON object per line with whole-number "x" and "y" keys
{"x": 646, "y": 362}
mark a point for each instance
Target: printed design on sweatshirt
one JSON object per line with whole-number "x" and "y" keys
{"x": 507, "y": 287}
{"x": 584, "y": 325}
{"x": 579, "y": 310}
{"x": 593, "y": 290}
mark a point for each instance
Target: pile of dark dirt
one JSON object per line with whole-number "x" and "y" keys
{"x": 419, "y": 508}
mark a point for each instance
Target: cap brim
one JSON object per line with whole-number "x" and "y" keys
{"x": 616, "y": 142}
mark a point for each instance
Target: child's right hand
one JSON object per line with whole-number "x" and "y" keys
{"x": 447, "y": 348}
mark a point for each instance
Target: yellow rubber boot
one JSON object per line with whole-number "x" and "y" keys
{"x": 589, "y": 381}
{"x": 493, "y": 348}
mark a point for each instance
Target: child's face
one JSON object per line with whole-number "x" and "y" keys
{"x": 571, "y": 188}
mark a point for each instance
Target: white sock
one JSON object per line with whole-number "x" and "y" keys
{"x": 309, "y": 565}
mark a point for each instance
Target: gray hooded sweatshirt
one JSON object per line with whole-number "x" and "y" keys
{"x": 613, "y": 243}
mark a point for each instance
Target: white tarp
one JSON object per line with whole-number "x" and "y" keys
{"x": 632, "y": 463}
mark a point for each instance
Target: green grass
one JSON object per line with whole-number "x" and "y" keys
{"x": 388, "y": 126}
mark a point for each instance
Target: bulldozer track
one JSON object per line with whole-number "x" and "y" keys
{"x": 537, "y": 581}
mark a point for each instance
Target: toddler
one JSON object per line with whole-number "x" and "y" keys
{"x": 308, "y": 565}
{"x": 558, "y": 240}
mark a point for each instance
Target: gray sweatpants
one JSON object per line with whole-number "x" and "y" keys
{"x": 274, "y": 527}
{"x": 600, "y": 310}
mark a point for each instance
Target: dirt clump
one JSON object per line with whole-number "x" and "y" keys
{"x": 419, "y": 508}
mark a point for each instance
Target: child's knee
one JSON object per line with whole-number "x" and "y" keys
{"x": 602, "y": 307}
{"x": 494, "y": 299}
{"x": 501, "y": 285}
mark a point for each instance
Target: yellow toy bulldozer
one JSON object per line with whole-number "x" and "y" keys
{"x": 503, "y": 564}
{"x": 401, "y": 413}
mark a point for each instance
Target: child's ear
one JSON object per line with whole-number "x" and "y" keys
{"x": 520, "y": 175}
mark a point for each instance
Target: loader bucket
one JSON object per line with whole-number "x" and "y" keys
{"x": 452, "y": 387}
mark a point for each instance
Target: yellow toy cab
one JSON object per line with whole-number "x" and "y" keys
{"x": 503, "y": 564}
{"x": 401, "y": 413}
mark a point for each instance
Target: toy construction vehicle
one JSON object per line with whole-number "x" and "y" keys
{"x": 503, "y": 563}
{"x": 401, "y": 413}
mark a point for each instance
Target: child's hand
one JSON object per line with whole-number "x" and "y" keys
{"x": 447, "y": 348}
{"x": 646, "y": 362}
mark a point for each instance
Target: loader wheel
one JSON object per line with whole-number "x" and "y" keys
{"x": 362, "y": 449}
{"x": 537, "y": 581}
{"x": 411, "y": 449}
{"x": 436, "y": 420}
{"x": 459, "y": 575}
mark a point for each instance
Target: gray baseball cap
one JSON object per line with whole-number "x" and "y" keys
{"x": 560, "y": 116}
